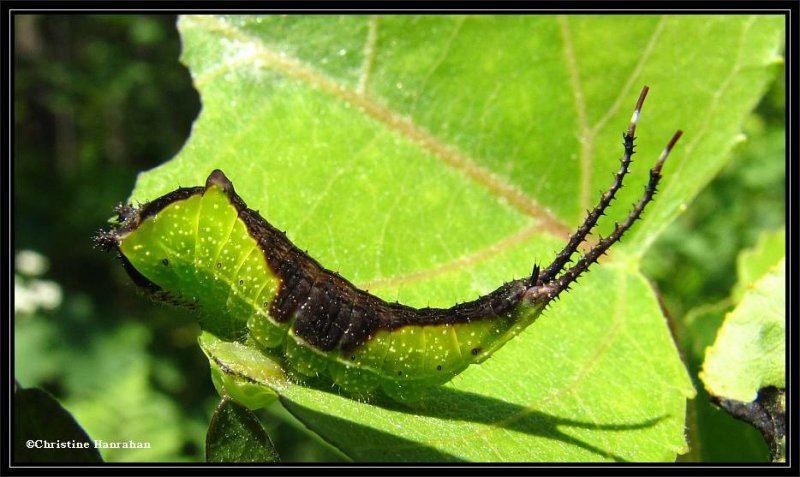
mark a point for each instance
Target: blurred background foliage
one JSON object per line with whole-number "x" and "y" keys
{"x": 693, "y": 266}
{"x": 88, "y": 93}
{"x": 89, "y": 90}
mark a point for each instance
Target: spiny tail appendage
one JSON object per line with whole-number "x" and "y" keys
{"x": 546, "y": 285}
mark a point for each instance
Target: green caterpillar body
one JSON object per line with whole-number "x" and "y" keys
{"x": 203, "y": 247}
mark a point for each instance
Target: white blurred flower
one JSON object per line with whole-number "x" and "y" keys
{"x": 47, "y": 293}
{"x": 30, "y": 263}
{"x": 24, "y": 302}
{"x": 31, "y": 294}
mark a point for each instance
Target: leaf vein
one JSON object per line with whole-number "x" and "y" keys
{"x": 467, "y": 260}
{"x": 635, "y": 73}
{"x": 369, "y": 54}
{"x": 397, "y": 122}
{"x": 584, "y": 134}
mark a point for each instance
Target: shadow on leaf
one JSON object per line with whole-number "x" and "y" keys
{"x": 367, "y": 443}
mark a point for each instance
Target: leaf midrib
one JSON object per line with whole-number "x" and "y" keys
{"x": 400, "y": 124}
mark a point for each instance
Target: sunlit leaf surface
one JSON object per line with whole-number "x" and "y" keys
{"x": 429, "y": 159}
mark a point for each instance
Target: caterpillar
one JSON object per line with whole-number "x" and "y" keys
{"x": 202, "y": 247}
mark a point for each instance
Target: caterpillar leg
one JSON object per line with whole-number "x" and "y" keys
{"x": 548, "y": 282}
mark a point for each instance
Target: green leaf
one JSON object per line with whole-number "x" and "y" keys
{"x": 242, "y": 373}
{"x": 40, "y": 420}
{"x": 556, "y": 393}
{"x": 715, "y": 437}
{"x": 753, "y": 263}
{"x": 750, "y": 351}
{"x": 236, "y": 435}
{"x": 718, "y": 438}
{"x": 429, "y": 159}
